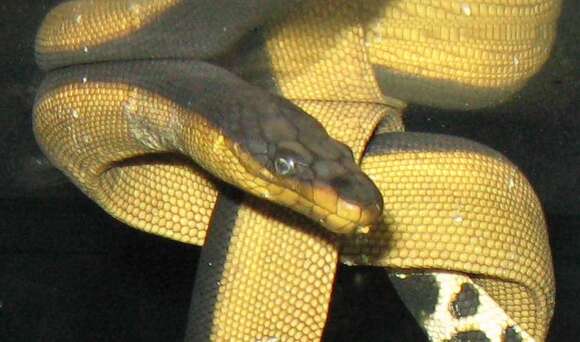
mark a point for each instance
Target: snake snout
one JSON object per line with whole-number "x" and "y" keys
{"x": 349, "y": 201}
{"x": 358, "y": 191}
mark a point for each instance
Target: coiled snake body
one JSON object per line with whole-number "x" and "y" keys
{"x": 150, "y": 105}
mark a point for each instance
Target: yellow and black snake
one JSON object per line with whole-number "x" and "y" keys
{"x": 154, "y": 108}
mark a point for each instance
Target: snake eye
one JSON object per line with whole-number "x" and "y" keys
{"x": 284, "y": 166}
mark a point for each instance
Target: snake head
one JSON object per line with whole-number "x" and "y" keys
{"x": 297, "y": 164}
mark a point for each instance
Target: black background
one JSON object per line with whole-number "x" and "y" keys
{"x": 69, "y": 272}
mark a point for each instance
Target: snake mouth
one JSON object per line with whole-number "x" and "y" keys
{"x": 342, "y": 205}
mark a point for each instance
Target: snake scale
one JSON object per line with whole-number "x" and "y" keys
{"x": 154, "y": 108}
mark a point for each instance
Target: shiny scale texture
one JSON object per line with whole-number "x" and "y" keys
{"x": 459, "y": 210}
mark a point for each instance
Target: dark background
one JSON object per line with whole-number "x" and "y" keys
{"x": 69, "y": 272}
